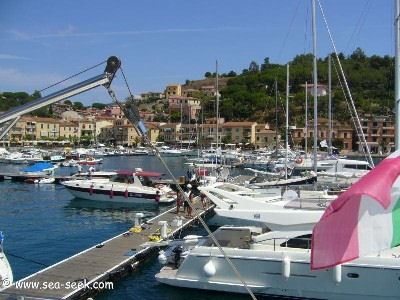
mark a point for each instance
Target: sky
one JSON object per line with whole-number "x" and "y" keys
{"x": 161, "y": 42}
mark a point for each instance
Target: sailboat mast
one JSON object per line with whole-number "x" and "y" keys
{"x": 397, "y": 74}
{"x": 217, "y": 104}
{"x": 315, "y": 85}
{"x": 276, "y": 116}
{"x": 181, "y": 129}
{"x": 287, "y": 120}
{"x": 306, "y": 125}
{"x": 329, "y": 106}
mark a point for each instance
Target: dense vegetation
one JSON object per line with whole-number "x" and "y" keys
{"x": 251, "y": 95}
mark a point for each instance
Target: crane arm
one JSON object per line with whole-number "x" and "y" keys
{"x": 105, "y": 79}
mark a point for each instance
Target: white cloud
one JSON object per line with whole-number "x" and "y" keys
{"x": 71, "y": 32}
{"x": 10, "y": 56}
{"x": 12, "y": 79}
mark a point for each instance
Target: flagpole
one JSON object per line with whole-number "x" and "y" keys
{"x": 397, "y": 69}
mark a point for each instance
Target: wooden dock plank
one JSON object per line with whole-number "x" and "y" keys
{"x": 98, "y": 263}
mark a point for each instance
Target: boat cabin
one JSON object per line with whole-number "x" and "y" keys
{"x": 139, "y": 178}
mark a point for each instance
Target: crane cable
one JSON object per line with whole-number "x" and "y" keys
{"x": 72, "y": 76}
{"x": 148, "y": 142}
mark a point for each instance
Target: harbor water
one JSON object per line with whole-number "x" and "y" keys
{"x": 44, "y": 224}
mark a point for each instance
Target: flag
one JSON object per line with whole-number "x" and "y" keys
{"x": 363, "y": 220}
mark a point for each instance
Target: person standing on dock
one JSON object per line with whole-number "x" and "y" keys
{"x": 203, "y": 200}
{"x": 191, "y": 200}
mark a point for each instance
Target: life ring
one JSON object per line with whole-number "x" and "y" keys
{"x": 299, "y": 160}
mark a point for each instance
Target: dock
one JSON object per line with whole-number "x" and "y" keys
{"x": 105, "y": 262}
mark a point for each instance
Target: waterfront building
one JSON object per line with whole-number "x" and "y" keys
{"x": 342, "y": 133}
{"x": 69, "y": 130}
{"x": 379, "y": 133}
{"x": 240, "y": 132}
{"x": 264, "y": 137}
{"x": 46, "y": 128}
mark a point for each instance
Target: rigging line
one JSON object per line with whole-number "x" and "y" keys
{"x": 349, "y": 108}
{"x": 346, "y": 85}
{"x": 185, "y": 196}
{"x": 26, "y": 259}
{"x": 359, "y": 24}
{"x": 72, "y": 76}
{"x": 126, "y": 82}
{"x": 289, "y": 30}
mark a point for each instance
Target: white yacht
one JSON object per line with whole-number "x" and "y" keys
{"x": 277, "y": 264}
{"x": 290, "y": 211}
{"x": 6, "y": 276}
{"x": 169, "y": 152}
{"x": 124, "y": 187}
{"x": 345, "y": 171}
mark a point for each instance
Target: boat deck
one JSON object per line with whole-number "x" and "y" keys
{"x": 107, "y": 261}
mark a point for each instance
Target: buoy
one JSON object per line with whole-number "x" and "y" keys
{"x": 126, "y": 193}
{"x": 299, "y": 160}
{"x": 286, "y": 267}
{"x": 111, "y": 193}
{"x": 162, "y": 258}
{"x": 91, "y": 190}
{"x": 337, "y": 273}
{"x": 209, "y": 269}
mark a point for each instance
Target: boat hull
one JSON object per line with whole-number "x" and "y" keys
{"x": 115, "y": 196}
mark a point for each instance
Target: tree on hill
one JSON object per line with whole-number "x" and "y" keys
{"x": 99, "y": 105}
{"x": 207, "y": 75}
{"x": 68, "y": 102}
{"x": 78, "y": 105}
{"x": 253, "y": 67}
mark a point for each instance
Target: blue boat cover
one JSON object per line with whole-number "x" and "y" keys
{"x": 38, "y": 167}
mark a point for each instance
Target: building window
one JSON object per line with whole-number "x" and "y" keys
{"x": 375, "y": 124}
{"x": 41, "y": 126}
{"x": 345, "y": 135}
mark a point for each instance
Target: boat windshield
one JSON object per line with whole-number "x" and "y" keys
{"x": 145, "y": 181}
{"x": 122, "y": 178}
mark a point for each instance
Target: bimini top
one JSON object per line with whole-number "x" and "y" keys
{"x": 140, "y": 173}
{"x": 38, "y": 167}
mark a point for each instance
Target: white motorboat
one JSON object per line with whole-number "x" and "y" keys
{"x": 95, "y": 174}
{"x": 278, "y": 264}
{"x": 292, "y": 210}
{"x": 124, "y": 187}
{"x": 44, "y": 180}
{"x": 345, "y": 171}
{"x": 90, "y": 161}
{"x": 6, "y": 276}
{"x": 169, "y": 152}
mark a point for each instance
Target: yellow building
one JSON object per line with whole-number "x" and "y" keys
{"x": 86, "y": 129}
{"x": 173, "y": 90}
{"x": 153, "y": 131}
{"x": 17, "y": 132}
{"x": 264, "y": 136}
{"x": 46, "y": 128}
{"x": 69, "y": 130}
{"x": 240, "y": 132}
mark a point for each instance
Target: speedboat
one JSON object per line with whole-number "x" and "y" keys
{"x": 124, "y": 187}
{"x": 167, "y": 151}
{"x": 90, "y": 161}
{"x": 6, "y": 276}
{"x": 276, "y": 264}
{"x": 292, "y": 210}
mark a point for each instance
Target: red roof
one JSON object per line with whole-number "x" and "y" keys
{"x": 149, "y": 174}
{"x": 125, "y": 172}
